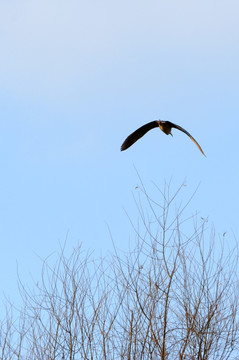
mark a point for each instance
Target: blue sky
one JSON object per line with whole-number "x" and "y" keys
{"x": 76, "y": 78}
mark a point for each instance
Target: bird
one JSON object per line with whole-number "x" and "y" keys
{"x": 165, "y": 126}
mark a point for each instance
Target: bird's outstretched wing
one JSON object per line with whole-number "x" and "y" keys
{"x": 187, "y": 133}
{"x": 136, "y": 135}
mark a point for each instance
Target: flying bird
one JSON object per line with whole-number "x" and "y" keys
{"x": 165, "y": 126}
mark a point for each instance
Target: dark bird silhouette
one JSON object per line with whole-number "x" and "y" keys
{"x": 165, "y": 126}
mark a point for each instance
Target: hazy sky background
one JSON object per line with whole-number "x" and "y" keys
{"x": 76, "y": 78}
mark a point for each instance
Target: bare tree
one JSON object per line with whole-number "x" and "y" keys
{"x": 174, "y": 295}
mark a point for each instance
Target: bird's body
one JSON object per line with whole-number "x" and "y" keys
{"x": 165, "y": 126}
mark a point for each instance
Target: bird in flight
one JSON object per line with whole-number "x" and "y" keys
{"x": 165, "y": 126}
